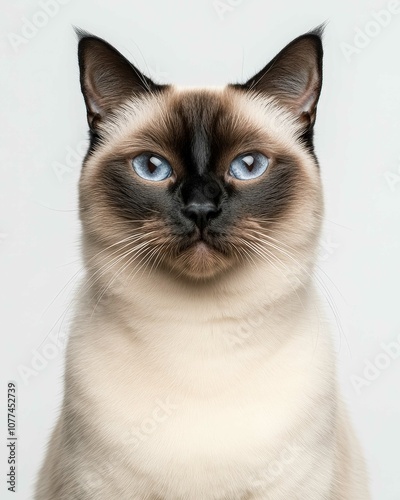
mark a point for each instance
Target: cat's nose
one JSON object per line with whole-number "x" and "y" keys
{"x": 201, "y": 213}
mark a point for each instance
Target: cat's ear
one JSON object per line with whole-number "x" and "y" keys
{"x": 107, "y": 78}
{"x": 294, "y": 77}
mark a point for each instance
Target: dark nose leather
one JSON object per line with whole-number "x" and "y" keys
{"x": 201, "y": 213}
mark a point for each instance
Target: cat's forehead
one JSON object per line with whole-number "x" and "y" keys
{"x": 193, "y": 125}
{"x": 198, "y": 125}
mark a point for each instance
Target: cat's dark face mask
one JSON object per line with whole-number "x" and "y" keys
{"x": 196, "y": 181}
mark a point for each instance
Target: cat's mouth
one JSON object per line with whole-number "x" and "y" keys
{"x": 203, "y": 242}
{"x": 201, "y": 256}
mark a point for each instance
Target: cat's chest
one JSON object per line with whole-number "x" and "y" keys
{"x": 199, "y": 410}
{"x": 220, "y": 421}
{"x": 200, "y": 448}
{"x": 247, "y": 441}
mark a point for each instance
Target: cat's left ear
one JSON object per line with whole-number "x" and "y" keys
{"x": 294, "y": 77}
{"x": 107, "y": 78}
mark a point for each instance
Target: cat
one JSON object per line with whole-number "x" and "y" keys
{"x": 200, "y": 364}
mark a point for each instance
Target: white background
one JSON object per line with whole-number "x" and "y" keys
{"x": 43, "y": 133}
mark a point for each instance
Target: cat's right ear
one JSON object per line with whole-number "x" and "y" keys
{"x": 107, "y": 78}
{"x": 294, "y": 77}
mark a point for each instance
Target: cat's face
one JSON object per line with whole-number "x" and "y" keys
{"x": 198, "y": 181}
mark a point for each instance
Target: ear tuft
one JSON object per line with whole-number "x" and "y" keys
{"x": 107, "y": 78}
{"x": 319, "y": 30}
{"x": 80, "y": 33}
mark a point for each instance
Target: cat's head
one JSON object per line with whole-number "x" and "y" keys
{"x": 196, "y": 182}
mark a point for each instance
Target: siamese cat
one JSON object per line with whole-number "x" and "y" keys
{"x": 200, "y": 364}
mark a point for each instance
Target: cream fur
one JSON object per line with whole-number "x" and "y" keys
{"x": 198, "y": 391}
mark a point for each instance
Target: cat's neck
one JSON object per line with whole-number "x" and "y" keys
{"x": 200, "y": 339}
{"x": 237, "y": 302}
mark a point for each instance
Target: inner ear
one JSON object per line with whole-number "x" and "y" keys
{"x": 294, "y": 77}
{"x": 107, "y": 78}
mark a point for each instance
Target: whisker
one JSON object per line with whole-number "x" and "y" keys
{"x": 78, "y": 273}
{"x": 320, "y": 283}
{"x": 134, "y": 254}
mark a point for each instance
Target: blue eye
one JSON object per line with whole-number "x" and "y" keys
{"x": 248, "y": 166}
{"x": 152, "y": 167}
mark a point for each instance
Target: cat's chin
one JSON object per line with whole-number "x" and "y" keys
{"x": 201, "y": 261}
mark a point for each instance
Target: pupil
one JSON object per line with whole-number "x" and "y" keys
{"x": 152, "y": 164}
{"x": 249, "y": 161}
